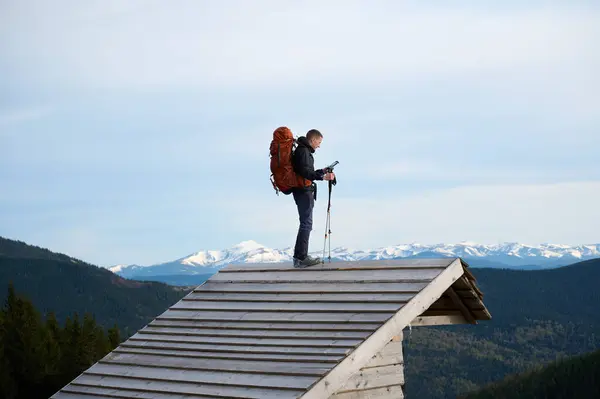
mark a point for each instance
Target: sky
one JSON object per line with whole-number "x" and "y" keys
{"x": 138, "y": 132}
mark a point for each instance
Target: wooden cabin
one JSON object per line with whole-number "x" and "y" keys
{"x": 270, "y": 331}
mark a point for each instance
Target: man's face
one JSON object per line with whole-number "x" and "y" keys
{"x": 315, "y": 142}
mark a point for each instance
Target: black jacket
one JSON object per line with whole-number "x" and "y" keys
{"x": 304, "y": 163}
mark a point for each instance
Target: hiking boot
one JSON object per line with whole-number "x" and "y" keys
{"x": 306, "y": 262}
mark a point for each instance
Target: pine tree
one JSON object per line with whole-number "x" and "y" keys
{"x": 38, "y": 358}
{"x": 53, "y": 360}
{"x": 67, "y": 358}
{"x": 87, "y": 342}
{"x": 114, "y": 337}
{"x": 102, "y": 344}
{"x": 23, "y": 342}
{"x": 8, "y": 387}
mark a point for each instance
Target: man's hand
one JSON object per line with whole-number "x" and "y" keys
{"x": 329, "y": 176}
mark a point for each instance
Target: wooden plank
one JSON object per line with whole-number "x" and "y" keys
{"x": 88, "y": 392}
{"x": 387, "y": 264}
{"x": 249, "y": 333}
{"x": 281, "y": 372}
{"x": 438, "y": 320}
{"x": 473, "y": 286}
{"x": 391, "y": 392}
{"x": 205, "y": 348}
{"x": 281, "y": 317}
{"x": 434, "y": 312}
{"x": 266, "y": 333}
{"x": 314, "y": 287}
{"x": 483, "y": 314}
{"x": 300, "y": 297}
{"x": 335, "y": 379}
{"x": 250, "y": 342}
{"x": 391, "y": 354}
{"x": 458, "y": 302}
{"x": 175, "y": 322}
{"x": 474, "y": 303}
{"x": 353, "y": 307}
{"x": 467, "y": 293}
{"x": 462, "y": 284}
{"x": 479, "y": 314}
{"x": 242, "y": 357}
{"x": 375, "y": 377}
{"x": 162, "y": 386}
{"x": 173, "y": 375}
{"x": 264, "y": 367}
{"x": 446, "y": 302}
{"x": 468, "y": 273}
{"x": 333, "y": 276}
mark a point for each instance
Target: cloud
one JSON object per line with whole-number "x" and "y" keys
{"x": 487, "y": 214}
{"x": 269, "y": 43}
{"x": 453, "y": 169}
{"x": 13, "y": 117}
{"x": 453, "y": 122}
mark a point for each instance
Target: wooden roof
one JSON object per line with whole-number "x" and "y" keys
{"x": 271, "y": 331}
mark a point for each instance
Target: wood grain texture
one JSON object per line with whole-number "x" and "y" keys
{"x": 326, "y": 307}
{"x": 189, "y": 388}
{"x": 271, "y": 331}
{"x": 330, "y": 276}
{"x": 336, "y": 378}
{"x": 254, "y": 333}
{"x": 282, "y": 317}
{"x": 238, "y": 356}
{"x": 247, "y": 366}
{"x": 314, "y": 287}
{"x": 221, "y": 348}
{"x": 247, "y": 342}
{"x": 388, "y": 264}
{"x": 310, "y": 297}
{"x": 183, "y": 322}
{"x": 171, "y": 375}
{"x": 91, "y": 392}
{"x": 390, "y": 392}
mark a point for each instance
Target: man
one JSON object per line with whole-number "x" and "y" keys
{"x": 304, "y": 197}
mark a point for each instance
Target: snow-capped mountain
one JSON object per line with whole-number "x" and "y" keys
{"x": 495, "y": 255}
{"x": 209, "y": 261}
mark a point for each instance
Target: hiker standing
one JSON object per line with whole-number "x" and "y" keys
{"x": 303, "y": 163}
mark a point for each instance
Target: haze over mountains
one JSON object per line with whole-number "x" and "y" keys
{"x": 505, "y": 255}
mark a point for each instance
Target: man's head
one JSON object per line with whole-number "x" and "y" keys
{"x": 314, "y": 138}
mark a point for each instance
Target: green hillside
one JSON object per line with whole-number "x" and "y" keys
{"x": 63, "y": 285}
{"x": 537, "y": 318}
{"x": 576, "y": 377}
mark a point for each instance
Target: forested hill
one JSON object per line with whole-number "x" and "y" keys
{"x": 515, "y": 296}
{"x": 537, "y": 317}
{"x": 55, "y": 282}
{"x": 577, "y": 377}
{"x": 19, "y": 249}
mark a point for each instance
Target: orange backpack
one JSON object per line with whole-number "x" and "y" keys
{"x": 283, "y": 176}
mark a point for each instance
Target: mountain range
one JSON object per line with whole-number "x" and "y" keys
{"x": 504, "y": 255}
{"x": 537, "y": 316}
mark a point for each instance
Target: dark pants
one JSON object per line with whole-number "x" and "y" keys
{"x": 305, "y": 202}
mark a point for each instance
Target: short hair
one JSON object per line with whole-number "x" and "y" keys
{"x": 313, "y": 133}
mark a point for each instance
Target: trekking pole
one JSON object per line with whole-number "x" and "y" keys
{"x": 328, "y": 227}
{"x": 333, "y": 182}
